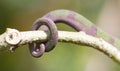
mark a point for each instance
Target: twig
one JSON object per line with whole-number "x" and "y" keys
{"x": 13, "y": 37}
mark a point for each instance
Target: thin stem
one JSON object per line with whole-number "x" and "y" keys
{"x": 63, "y": 36}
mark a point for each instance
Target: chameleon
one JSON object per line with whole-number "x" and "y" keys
{"x": 39, "y": 49}
{"x": 79, "y": 23}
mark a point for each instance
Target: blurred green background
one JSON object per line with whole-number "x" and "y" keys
{"x": 20, "y": 14}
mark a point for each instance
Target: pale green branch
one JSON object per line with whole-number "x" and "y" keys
{"x": 12, "y": 38}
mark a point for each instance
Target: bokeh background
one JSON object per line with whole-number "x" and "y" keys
{"x": 20, "y": 14}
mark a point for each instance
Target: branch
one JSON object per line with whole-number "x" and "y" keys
{"x": 13, "y": 37}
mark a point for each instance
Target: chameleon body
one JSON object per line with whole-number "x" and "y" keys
{"x": 73, "y": 19}
{"x": 80, "y": 23}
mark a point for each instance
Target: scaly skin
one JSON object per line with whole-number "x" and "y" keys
{"x": 41, "y": 47}
{"x": 80, "y": 23}
{"x": 73, "y": 19}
